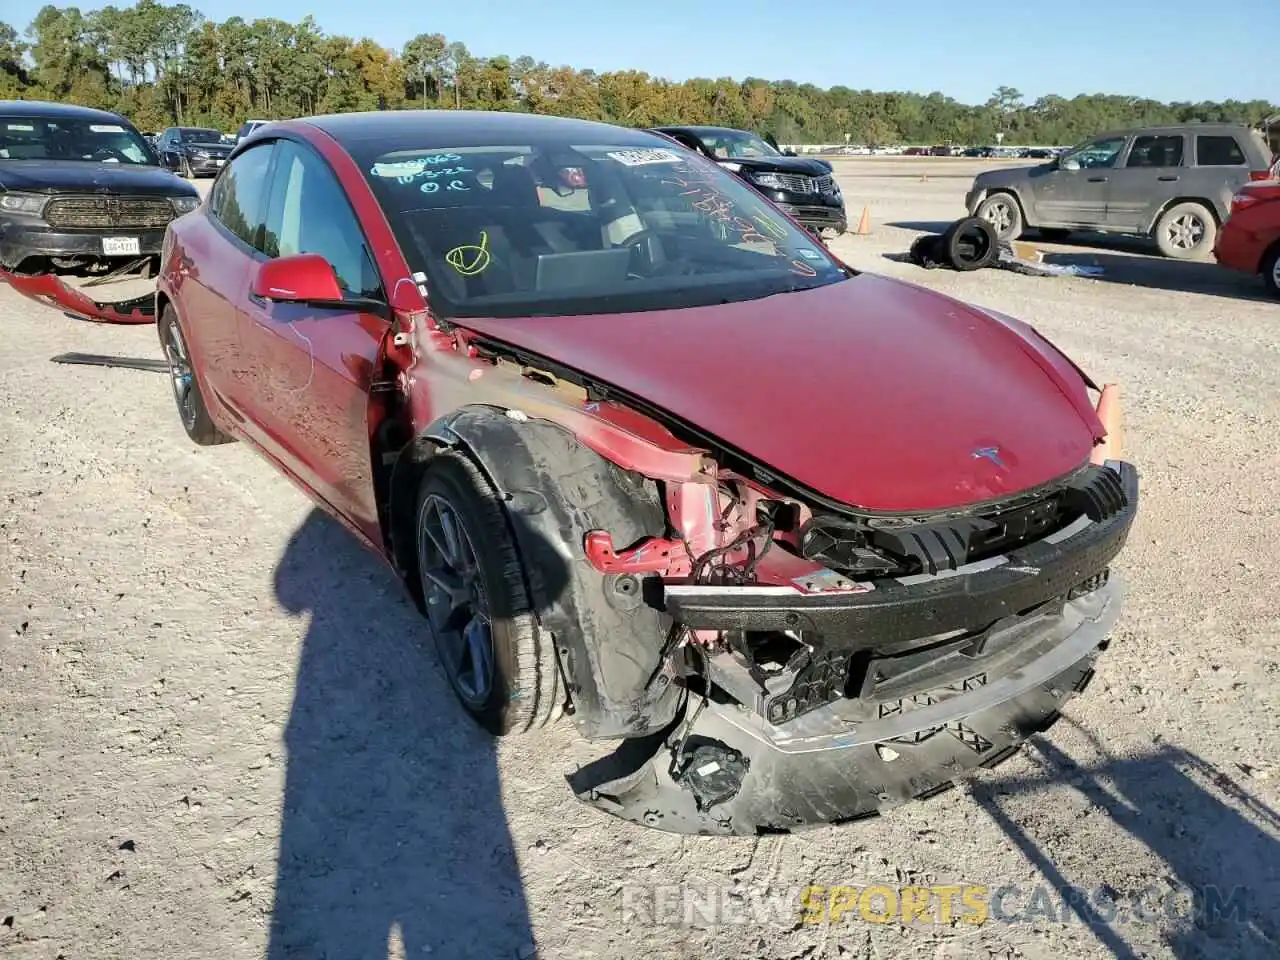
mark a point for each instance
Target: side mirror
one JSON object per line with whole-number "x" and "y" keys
{"x": 1067, "y": 163}
{"x": 788, "y": 153}
{"x": 302, "y": 278}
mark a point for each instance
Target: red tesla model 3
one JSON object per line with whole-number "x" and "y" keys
{"x": 810, "y": 542}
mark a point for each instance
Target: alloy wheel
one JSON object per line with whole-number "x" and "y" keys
{"x": 180, "y": 375}
{"x": 457, "y": 607}
{"x": 1185, "y": 232}
{"x": 999, "y": 215}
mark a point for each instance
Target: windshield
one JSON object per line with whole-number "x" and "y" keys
{"x": 559, "y": 228}
{"x": 58, "y": 138}
{"x": 737, "y": 145}
{"x": 197, "y": 135}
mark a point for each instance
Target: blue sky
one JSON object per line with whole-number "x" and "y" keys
{"x": 1165, "y": 49}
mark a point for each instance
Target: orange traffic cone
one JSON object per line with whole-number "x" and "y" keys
{"x": 1109, "y": 414}
{"x": 864, "y": 224}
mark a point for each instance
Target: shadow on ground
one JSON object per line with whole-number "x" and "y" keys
{"x": 1220, "y": 896}
{"x": 393, "y": 824}
{"x": 1130, "y": 262}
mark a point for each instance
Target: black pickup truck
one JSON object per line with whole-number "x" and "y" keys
{"x": 803, "y": 187}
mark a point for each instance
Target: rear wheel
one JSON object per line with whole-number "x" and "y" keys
{"x": 1186, "y": 231}
{"x": 186, "y": 389}
{"x": 1002, "y": 211}
{"x": 1271, "y": 271}
{"x": 501, "y": 667}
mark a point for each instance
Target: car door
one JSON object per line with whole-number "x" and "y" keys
{"x": 218, "y": 246}
{"x": 314, "y": 367}
{"x": 1148, "y": 176}
{"x": 1074, "y": 191}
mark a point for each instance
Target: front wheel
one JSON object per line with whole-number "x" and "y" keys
{"x": 1002, "y": 211}
{"x": 500, "y": 665}
{"x": 1186, "y": 231}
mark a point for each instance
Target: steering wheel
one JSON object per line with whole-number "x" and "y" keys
{"x": 651, "y": 253}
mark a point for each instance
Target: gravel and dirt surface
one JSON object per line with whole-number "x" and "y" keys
{"x": 225, "y": 734}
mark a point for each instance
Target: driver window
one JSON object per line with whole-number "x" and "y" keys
{"x": 1100, "y": 154}
{"x": 309, "y": 213}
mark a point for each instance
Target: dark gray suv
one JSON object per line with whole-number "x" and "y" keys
{"x": 1170, "y": 183}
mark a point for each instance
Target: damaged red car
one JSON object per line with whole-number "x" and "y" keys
{"x": 793, "y": 542}
{"x": 83, "y": 209}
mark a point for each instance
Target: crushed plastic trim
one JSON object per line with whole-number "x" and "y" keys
{"x": 48, "y": 289}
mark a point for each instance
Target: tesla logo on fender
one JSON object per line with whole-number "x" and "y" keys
{"x": 989, "y": 453}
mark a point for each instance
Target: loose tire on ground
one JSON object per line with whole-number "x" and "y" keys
{"x": 970, "y": 244}
{"x": 1186, "y": 231}
{"x": 186, "y": 387}
{"x": 524, "y": 688}
{"x": 1003, "y": 212}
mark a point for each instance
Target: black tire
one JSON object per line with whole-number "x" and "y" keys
{"x": 1271, "y": 270}
{"x": 523, "y": 685}
{"x": 926, "y": 251}
{"x": 187, "y": 395}
{"x": 1055, "y": 235}
{"x": 1003, "y": 212}
{"x": 1187, "y": 231}
{"x": 970, "y": 244}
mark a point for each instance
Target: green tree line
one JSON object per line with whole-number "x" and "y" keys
{"x": 163, "y": 64}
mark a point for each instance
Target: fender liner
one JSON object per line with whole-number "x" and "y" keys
{"x": 555, "y": 490}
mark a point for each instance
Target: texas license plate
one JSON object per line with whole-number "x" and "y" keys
{"x": 120, "y": 246}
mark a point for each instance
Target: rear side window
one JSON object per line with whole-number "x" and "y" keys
{"x": 1156, "y": 151}
{"x": 1219, "y": 152}
{"x": 239, "y": 198}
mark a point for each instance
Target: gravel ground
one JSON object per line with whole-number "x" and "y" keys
{"x": 224, "y": 735}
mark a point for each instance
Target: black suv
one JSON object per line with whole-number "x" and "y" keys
{"x": 80, "y": 190}
{"x": 193, "y": 151}
{"x": 805, "y": 188}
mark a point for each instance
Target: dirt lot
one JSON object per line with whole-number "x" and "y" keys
{"x": 224, "y": 736}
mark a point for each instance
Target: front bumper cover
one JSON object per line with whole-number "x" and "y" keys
{"x": 722, "y": 768}
{"x": 20, "y": 241}
{"x": 48, "y": 289}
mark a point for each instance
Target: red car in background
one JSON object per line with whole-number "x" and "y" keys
{"x": 799, "y": 543}
{"x": 1249, "y": 240}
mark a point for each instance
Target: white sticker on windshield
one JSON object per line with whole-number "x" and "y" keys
{"x": 106, "y": 128}
{"x": 25, "y": 127}
{"x": 638, "y": 158}
{"x": 809, "y": 253}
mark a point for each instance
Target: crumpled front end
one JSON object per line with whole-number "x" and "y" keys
{"x": 831, "y": 699}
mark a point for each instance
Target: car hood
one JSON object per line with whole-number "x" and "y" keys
{"x": 1008, "y": 176}
{"x": 83, "y": 176}
{"x": 877, "y": 394}
{"x": 804, "y": 165}
{"x": 213, "y": 149}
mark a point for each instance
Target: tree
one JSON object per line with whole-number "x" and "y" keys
{"x": 160, "y": 63}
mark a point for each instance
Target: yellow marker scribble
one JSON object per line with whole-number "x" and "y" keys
{"x": 470, "y": 259}
{"x": 771, "y": 227}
